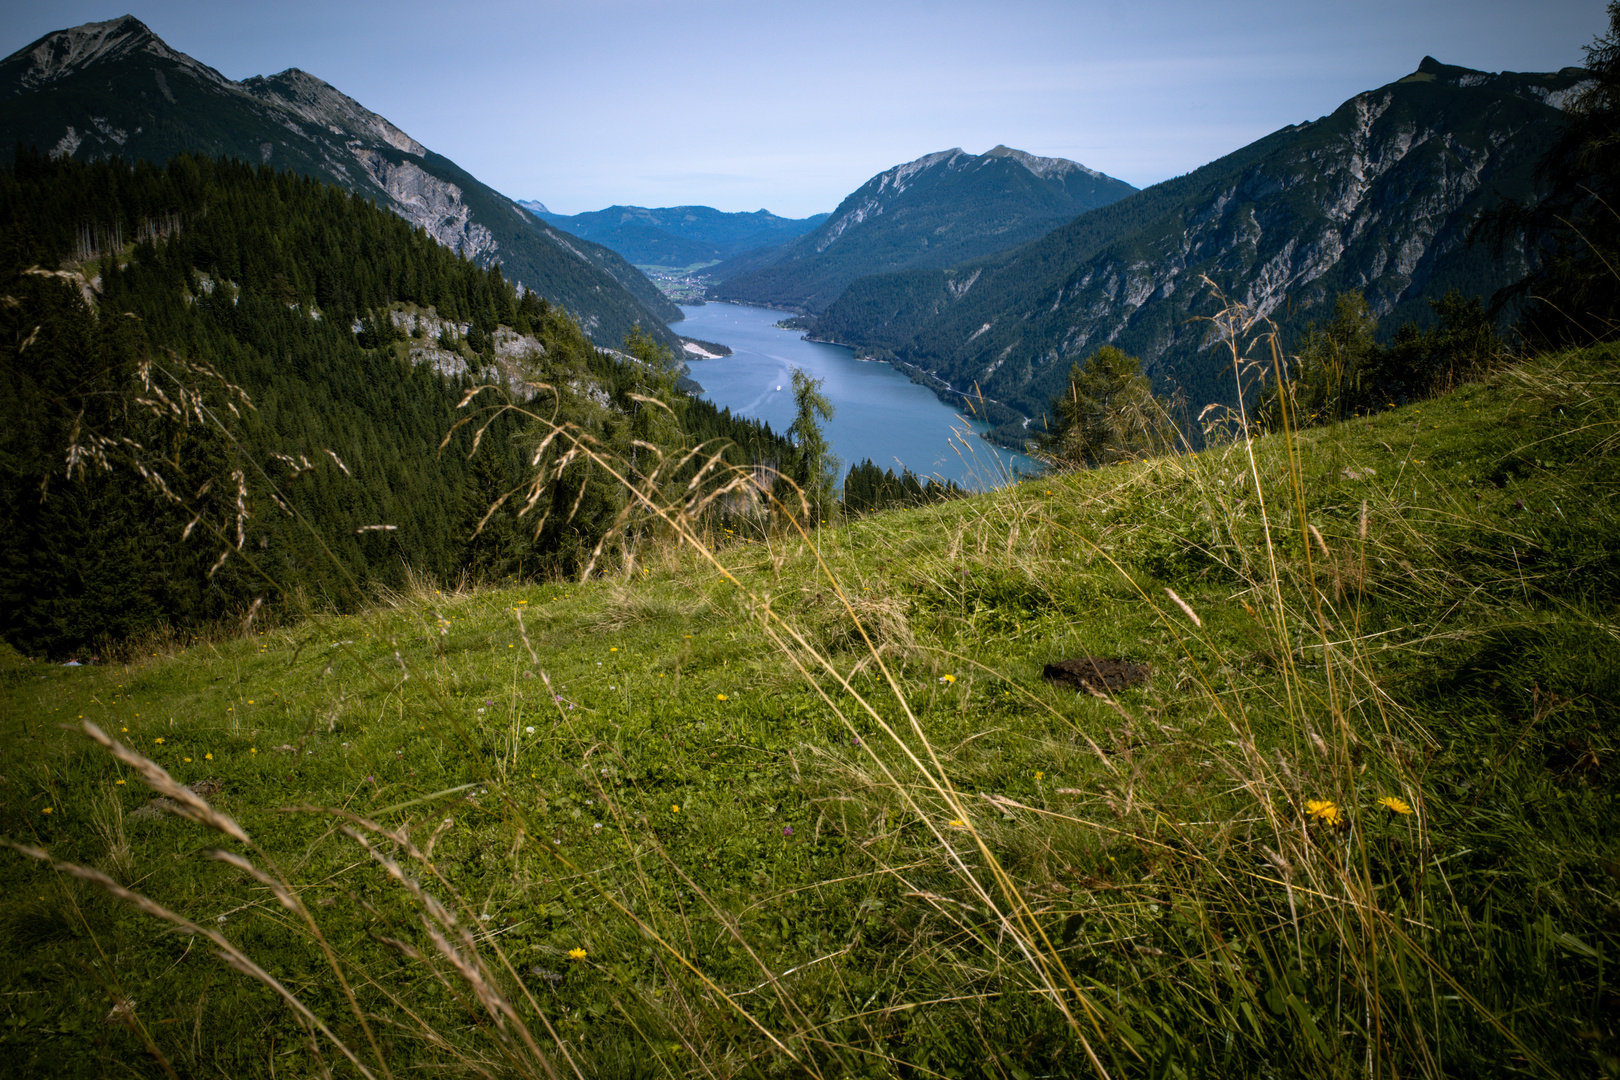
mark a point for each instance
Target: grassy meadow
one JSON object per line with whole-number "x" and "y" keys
{"x": 773, "y": 804}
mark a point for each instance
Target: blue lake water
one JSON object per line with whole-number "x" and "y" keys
{"x": 878, "y": 413}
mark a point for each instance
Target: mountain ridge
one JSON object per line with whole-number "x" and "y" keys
{"x": 677, "y": 236}
{"x": 933, "y": 211}
{"x": 1378, "y": 196}
{"x": 114, "y": 88}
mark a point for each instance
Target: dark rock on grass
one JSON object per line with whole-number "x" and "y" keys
{"x": 1097, "y": 673}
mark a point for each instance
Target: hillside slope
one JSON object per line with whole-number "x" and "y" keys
{"x": 646, "y": 836}
{"x": 115, "y": 89}
{"x": 265, "y": 352}
{"x": 933, "y": 212}
{"x": 1379, "y": 197}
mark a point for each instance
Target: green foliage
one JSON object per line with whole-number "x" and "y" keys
{"x": 1342, "y": 370}
{"x": 818, "y": 469}
{"x": 868, "y": 489}
{"x": 1107, "y": 415}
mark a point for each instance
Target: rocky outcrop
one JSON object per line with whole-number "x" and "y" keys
{"x": 429, "y": 203}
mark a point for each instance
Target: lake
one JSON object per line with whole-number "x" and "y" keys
{"x": 878, "y": 413}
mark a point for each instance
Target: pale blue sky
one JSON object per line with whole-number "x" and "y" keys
{"x": 743, "y": 104}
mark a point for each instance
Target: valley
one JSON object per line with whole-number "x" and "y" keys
{"x": 1172, "y": 632}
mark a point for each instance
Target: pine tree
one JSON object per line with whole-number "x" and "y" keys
{"x": 1107, "y": 415}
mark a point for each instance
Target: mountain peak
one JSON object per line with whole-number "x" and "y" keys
{"x": 65, "y": 52}
{"x": 319, "y": 102}
{"x": 1044, "y": 167}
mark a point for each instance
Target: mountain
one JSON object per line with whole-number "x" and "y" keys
{"x": 115, "y": 89}
{"x": 1379, "y": 197}
{"x": 675, "y": 237}
{"x": 934, "y": 212}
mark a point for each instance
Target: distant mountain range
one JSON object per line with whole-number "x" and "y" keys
{"x": 114, "y": 88}
{"x": 930, "y": 213}
{"x": 1378, "y": 197}
{"x": 677, "y": 237}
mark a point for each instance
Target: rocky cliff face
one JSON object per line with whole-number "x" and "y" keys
{"x": 115, "y": 88}
{"x": 1378, "y": 197}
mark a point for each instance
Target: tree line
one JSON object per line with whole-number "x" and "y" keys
{"x": 207, "y": 408}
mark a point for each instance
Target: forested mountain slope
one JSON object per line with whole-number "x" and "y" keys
{"x": 933, "y": 212}
{"x": 179, "y": 409}
{"x": 677, "y": 236}
{"x": 1379, "y": 197}
{"x": 115, "y": 89}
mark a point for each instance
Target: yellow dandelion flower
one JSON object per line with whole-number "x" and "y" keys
{"x": 253, "y": 750}
{"x": 958, "y": 823}
{"x": 721, "y": 697}
{"x": 1322, "y": 810}
{"x": 208, "y": 757}
{"x": 576, "y": 954}
{"x": 947, "y": 678}
{"x": 1039, "y": 775}
{"x": 46, "y": 810}
{"x": 675, "y": 809}
{"x": 1394, "y": 805}
{"x": 614, "y": 649}
{"x": 159, "y": 741}
{"x": 117, "y": 783}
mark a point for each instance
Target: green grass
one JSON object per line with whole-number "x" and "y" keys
{"x": 793, "y": 842}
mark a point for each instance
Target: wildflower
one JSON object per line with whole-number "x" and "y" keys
{"x": 675, "y": 809}
{"x": 158, "y": 740}
{"x": 208, "y": 757}
{"x": 117, "y": 783}
{"x": 1039, "y": 775}
{"x": 958, "y": 823}
{"x": 720, "y": 697}
{"x": 529, "y": 729}
{"x": 787, "y": 830}
{"x": 253, "y": 750}
{"x": 614, "y": 649}
{"x": 188, "y": 761}
{"x": 947, "y": 679}
{"x": 576, "y": 953}
{"x": 46, "y": 810}
{"x": 1394, "y": 805}
{"x": 1322, "y": 810}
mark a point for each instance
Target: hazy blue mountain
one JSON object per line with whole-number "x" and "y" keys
{"x": 933, "y": 212}
{"x": 1379, "y": 197}
{"x": 114, "y": 88}
{"x": 676, "y": 237}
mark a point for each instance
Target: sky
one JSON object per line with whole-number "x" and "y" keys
{"x": 757, "y": 104}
